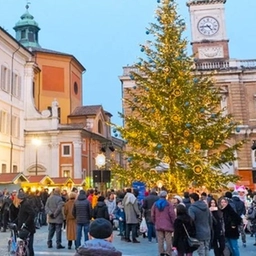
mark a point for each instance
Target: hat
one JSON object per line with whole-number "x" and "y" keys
{"x": 163, "y": 193}
{"x": 100, "y": 228}
{"x": 178, "y": 198}
{"x": 228, "y": 194}
{"x": 101, "y": 199}
{"x": 235, "y": 194}
{"x": 14, "y": 191}
{"x": 82, "y": 192}
{"x": 21, "y": 195}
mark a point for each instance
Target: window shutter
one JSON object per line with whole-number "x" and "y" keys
{"x": 2, "y": 77}
{"x": 8, "y": 80}
{"x": 19, "y": 87}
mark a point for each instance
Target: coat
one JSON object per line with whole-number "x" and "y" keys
{"x": 147, "y": 205}
{"x": 180, "y": 240}
{"x": 101, "y": 211}
{"x": 131, "y": 209}
{"x": 163, "y": 215}
{"x": 70, "y": 220}
{"x": 82, "y": 210}
{"x": 231, "y": 222}
{"x": 97, "y": 247}
{"x": 26, "y": 216}
{"x": 54, "y": 206}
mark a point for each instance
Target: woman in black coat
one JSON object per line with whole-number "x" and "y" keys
{"x": 218, "y": 239}
{"x": 232, "y": 222}
{"x": 180, "y": 236}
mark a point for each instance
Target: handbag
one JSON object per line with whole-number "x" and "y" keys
{"x": 192, "y": 242}
{"x": 143, "y": 226}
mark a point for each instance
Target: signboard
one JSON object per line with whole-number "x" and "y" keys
{"x": 141, "y": 187}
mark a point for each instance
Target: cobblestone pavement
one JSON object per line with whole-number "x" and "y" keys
{"x": 129, "y": 249}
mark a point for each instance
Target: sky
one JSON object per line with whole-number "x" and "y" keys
{"x": 105, "y": 36}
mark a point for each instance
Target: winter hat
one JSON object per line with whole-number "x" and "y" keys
{"x": 235, "y": 194}
{"x": 163, "y": 193}
{"x": 228, "y": 194}
{"x": 178, "y": 198}
{"x": 21, "y": 195}
{"x": 100, "y": 228}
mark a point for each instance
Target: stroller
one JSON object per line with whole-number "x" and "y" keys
{"x": 18, "y": 241}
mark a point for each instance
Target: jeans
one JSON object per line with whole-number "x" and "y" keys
{"x": 233, "y": 245}
{"x": 151, "y": 231}
{"x": 121, "y": 227}
{"x": 53, "y": 227}
{"x": 79, "y": 229}
{"x": 204, "y": 248}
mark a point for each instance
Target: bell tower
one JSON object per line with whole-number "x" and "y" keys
{"x": 209, "y": 39}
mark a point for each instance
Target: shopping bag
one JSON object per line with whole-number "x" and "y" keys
{"x": 143, "y": 226}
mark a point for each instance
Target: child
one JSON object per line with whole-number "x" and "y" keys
{"x": 120, "y": 215}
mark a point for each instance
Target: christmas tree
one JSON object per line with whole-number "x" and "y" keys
{"x": 175, "y": 119}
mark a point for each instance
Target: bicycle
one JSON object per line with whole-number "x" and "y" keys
{"x": 19, "y": 241}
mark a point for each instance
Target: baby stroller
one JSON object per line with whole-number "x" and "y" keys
{"x": 18, "y": 241}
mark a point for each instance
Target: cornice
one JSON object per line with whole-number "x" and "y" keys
{"x": 205, "y": 2}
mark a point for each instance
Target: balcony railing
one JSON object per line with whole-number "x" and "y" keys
{"x": 231, "y": 64}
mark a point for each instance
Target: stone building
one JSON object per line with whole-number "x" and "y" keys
{"x": 236, "y": 78}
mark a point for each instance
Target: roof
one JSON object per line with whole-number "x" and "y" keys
{"x": 61, "y": 180}
{"x": 39, "y": 179}
{"x": 43, "y": 50}
{"x": 7, "y": 178}
{"x": 78, "y": 181}
{"x": 86, "y": 110}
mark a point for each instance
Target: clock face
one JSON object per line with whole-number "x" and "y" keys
{"x": 208, "y": 26}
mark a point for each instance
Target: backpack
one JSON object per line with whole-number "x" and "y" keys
{"x": 251, "y": 215}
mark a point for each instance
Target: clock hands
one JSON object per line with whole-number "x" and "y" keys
{"x": 206, "y": 26}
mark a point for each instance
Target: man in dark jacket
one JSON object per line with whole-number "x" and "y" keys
{"x": 186, "y": 200}
{"x": 147, "y": 205}
{"x": 241, "y": 211}
{"x": 101, "y": 209}
{"x": 26, "y": 218}
{"x": 53, "y": 209}
{"x": 101, "y": 236}
{"x": 200, "y": 214}
{"x": 82, "y": 211}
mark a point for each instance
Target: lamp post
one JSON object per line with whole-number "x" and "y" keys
{"x": 36, "y": 142}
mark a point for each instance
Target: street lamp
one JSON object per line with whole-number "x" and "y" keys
{"x": 36, "y": 142}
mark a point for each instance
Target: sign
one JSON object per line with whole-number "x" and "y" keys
{"x": 141, "y": 187}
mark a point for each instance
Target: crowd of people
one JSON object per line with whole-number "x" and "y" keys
{"x": 215, "y": 222}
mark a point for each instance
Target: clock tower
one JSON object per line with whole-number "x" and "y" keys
{"x": 209, "y": 38}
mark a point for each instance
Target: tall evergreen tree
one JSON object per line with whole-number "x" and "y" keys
{"x": 176, "y": 119}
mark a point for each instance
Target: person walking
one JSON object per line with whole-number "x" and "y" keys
{"x": 26, "y": 218}
{"x": 163, "y": 216}
{"x": 70, "y": 219}
{"x": 201, "y": 215}
{"x": 147, "y": 205}
{"x": 180, "y": 237}
{"x": 82, "y": 211}
{"x": 53, "y": 209}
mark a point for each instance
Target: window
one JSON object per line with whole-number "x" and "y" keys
{"x": 15, "y": 169}
{"x": 75, "y": 88}
{"x": 100, "y": 127}
{"x": 4, "y": 122}
{"x": 4, "y": 168}
{"x": 66, "y": 150}
{"x": 84, "y": 145}
{"x": 66, "y": 173}
{"x": 16, "y": 85}
{"x": 23, "y": 34}
{"x": 15, "y": 126}
{"x": 5, "y": 78}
